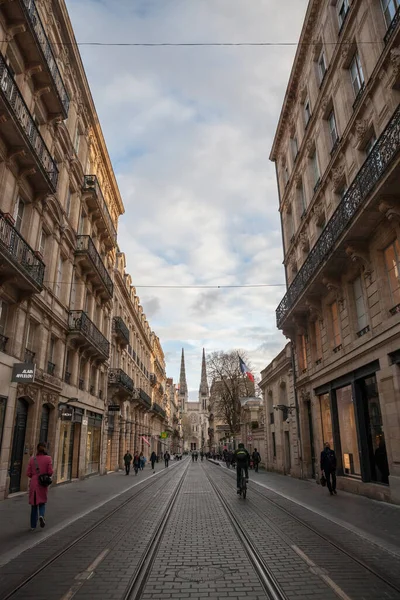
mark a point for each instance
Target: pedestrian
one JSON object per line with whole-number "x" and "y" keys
{"x": 136, "y": 462}
{"x": 201, "y": 455}
{"x": 127, "y": 461}
{"x": 38, "y": 466}
{"x": 192, "y": 456}
{"x": 196, "y": 455}
{"x": 328, "y": 466}
{"x": 256, "y": 459}
{"x": 381, "y": 462}
{"x": 142, "y": 461}
{"x": 166, "y": 458}
{"x": 153, "y": 460}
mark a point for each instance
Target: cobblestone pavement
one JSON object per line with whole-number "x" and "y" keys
{"x": 199, "y": 554}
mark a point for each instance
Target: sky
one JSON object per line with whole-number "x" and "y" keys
{"x": 189, "y": 131}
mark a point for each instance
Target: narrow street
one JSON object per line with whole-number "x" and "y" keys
{"x": 184, "y": 533}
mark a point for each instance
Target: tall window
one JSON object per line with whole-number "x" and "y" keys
{"x": 370, "y": 144}
{"x": 333, "y": 129}
{"x": 68, "y": 202}
{"x": 342, "y": 7}
{"x": 389, "y": 8}
{"x": 19, "y": 214}
{"x": 315, "y": 168}
{"x": 59, "y": 276}
{"x": 307, "y": 111}
{"x": 301, "y": 198}
{"x": 295, "y": 147}
{"x": 318, "y": 340}
{"x": 362, "y": 320}
{"x": 302, "y": 354}
{"x": 77, "y": 140}
{"x": 273, "y": 444}
{"x": 3, "y": 316}
{"x": 357, "y": 75}
{"x": 321, "y": 66}
{"x": 335, "y": 324}
{"x": 392, "y": 261}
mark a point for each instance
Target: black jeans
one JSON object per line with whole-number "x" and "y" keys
{"x": 127, "y": 468}
{"x": 152, "y": 464}
{"x": 239, "y": 468}
{"x": 331, "y": 485}
{"x": 166, "y": 462}
{"x": 256, "y": 466}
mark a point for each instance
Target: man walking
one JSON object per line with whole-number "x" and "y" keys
{"x": 256, "y": 459}
{"x": 167, "y": 457}
{"x": 127, "y": 461}
{"x": 153, "y": 459}
{"x": 328, "y": 466}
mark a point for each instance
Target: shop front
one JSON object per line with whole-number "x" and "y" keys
{"x": 351, "y": 421}
{"x": 69, "y": 442}
{"x": 93, "y": 442}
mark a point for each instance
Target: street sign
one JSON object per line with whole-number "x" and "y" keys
{"x": 23, "y": 373}
{"x": 164, "y": 435}
{"x": 249, "y": 438}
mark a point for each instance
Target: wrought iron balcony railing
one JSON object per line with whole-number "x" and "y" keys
{"x": 27, "y": 125}
{"x": 145, "y": 398}
{"x": 157, "y": 409}
{"x": 84, "y": 245}
{"x": 120, "y": 378}
{"x": 20, "y": 253}
{"x": 383, "y": 153}
{"x": 79, "y": 322}
{"x": 392, "y": 26}
{"x": 91, "y": 184}
{"x": 120, "y": 328}
{"x": 47, "y": 53}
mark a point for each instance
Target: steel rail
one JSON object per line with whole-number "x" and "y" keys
{"x": 78, "y": 539}
{"x": 306, "y": 525}
{"x": 267, "y": 578}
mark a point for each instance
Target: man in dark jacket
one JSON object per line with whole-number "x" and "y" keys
{"x": 242, "y": 460}
{"x": 167, "y": 458}
{"x": 328, "y": 466}
{"x": 256, "y": 459}
{"x": 127, "y": 461}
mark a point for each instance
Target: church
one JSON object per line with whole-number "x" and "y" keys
{"x": 194, "y": 414}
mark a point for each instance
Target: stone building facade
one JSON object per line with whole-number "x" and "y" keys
{"x": 337, "y": 156}
{"x": 64, "y": 305}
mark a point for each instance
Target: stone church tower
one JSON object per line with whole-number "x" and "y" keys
{"x": 197, "y": 412}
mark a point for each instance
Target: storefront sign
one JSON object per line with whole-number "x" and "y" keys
{"x": 114, "y": 408}
{"x": 164, "y": 435}
{"x": 66, "y": 413}
{"x": 23, "y": 373}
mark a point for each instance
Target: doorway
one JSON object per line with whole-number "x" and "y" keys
{"x": 288, "y": 460}
{"x": 44, "y": 424}
{"x": 17, "y": 454}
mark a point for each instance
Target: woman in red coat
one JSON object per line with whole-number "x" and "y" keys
{"x": 37, "y": 492}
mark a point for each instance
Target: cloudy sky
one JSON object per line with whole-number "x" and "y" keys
{"x": 189, "y": 131}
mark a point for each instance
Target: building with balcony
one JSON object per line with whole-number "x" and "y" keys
{"x": 56, "y": 279}
{"x": 337, "y": 156}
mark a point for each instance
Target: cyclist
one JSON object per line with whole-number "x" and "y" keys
{"x": 242, "y": 459}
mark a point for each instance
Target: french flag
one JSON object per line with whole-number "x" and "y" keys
{"x": 245, "y": 370}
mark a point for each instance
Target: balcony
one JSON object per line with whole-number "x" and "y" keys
{"x": 153, "y": 379}
{"x": 90, "y": 262}
{"x": 36, "y": 49}
{"x": 86, "y": 335}
{"x": 19, "y": 262}
{"x": 98, "y": 207}
{"x": 143, "y": 398}
{"x": 120, "y": 331}
{"x": 156, "y": 408}
{"x": 20, "y": 133}
{"x": 372, "y": 171}
{"x": 120, "y": 382}
{"x": 392, "y": 26}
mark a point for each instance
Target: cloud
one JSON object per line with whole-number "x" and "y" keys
{"x": 189, "y": 130}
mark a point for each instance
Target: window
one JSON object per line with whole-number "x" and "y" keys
{"x": 321, "y": 66}
{"x": 315, "y": 168}
{"x": 307, "y": 111}
{"x": 31, "y": 338}
{"x": 318, "y": 340}
{"x": 301, "y": 199}
{"x": 356, "y": 73}
{"x": 59, "y": 276}
{"x": 77, "y": 140}
{"x": 3, "y": 317}
{"x": 392, "y": 255}
{"x": 342, "y": 10}
{"x": 273, "y": 444}
{"x": 370, "y": 144}
{"x": 68, "y": 202}
{"x": 295, "y": 147}
{"x": 335, "y": 324}
{"x": 389, "y": 8}
{"x": 302, "y": 355}
{"x": 81, "y": 226}
{"x": 272, "y": 418}
{"x": 333, "y": 129}
{"x": 52, "y": 345}
{"x": 19, "y": 213}
{"x": 362, "y": 320}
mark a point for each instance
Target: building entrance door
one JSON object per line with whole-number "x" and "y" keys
{"x": 44, "y": 424}
{"x": 17, "y": 454}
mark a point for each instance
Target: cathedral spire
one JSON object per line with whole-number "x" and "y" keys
{"x": 183, "y": 390}
{"x": 203, "y": 390}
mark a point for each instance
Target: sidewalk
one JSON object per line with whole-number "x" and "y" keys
{"x": 67, "y": 503}
{"x": 379, "y": 522}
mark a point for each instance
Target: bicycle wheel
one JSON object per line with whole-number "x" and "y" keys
{"x": 244, "y": 491}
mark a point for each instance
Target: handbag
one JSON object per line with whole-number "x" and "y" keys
{"x": 323, "y": 481}
{"x": 44, "y": 479}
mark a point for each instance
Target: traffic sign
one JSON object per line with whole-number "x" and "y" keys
{"x": 249, "y": 438}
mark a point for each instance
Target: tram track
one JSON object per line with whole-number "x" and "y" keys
{"x": 256, "y": 508}
{"x": 80, "y": 538}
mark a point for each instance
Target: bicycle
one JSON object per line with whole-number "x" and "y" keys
{"x": 243, "y": 484}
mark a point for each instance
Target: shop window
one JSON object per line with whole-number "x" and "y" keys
{"x": 392, "y": 256}
{"x": 335, "y": 325}
{"x": 348, "y": 431}
{"x": 356, "y": 74}
{"x": 376, "y": 441}
{"x": 359, "y": 300}
{"x": 389, "y": 8}
{"x": 326, "y": 419}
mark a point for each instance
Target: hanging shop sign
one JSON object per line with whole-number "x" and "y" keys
{"x": 114, "y": 408}
{"x": 164, "y": 435}
{"x": 66, "y": 412}
{"x": 23, "y": 373}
